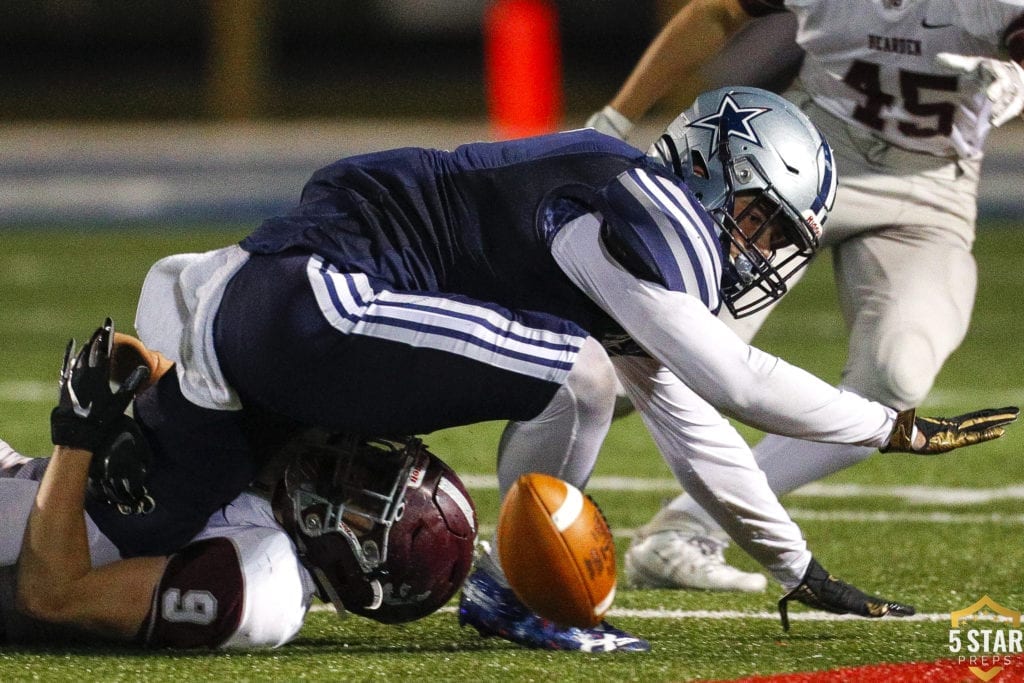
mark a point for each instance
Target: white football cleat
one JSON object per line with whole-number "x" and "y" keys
{"x": 674, "y": 558}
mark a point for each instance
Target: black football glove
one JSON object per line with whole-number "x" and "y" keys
{"x": 821, "y": 590}
{"x": 87, "y": 409}
{"x": 119, "y": 468}
{"x": 943, "y": 434}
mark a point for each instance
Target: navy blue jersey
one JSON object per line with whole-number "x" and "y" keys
{"x": 410, "y": 290}
{"x": 475, "y": 221}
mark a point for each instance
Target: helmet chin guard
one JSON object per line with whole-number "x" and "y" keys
{"x": 740, "y": 141}
{"x": 384, "y": 526}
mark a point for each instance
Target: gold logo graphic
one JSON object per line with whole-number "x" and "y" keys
{"x": 985, "y": 650}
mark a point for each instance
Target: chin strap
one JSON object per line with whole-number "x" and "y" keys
{"x": 328, "y": 590}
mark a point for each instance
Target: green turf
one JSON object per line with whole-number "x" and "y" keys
{"x": 58, "y": 283}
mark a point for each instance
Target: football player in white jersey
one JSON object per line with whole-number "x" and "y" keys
{"x": 906, "y": 92}
{"x": 239, "y": 584}
{"x": 248, "y": 578}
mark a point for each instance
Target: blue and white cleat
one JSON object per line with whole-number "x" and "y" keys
{"x": 494, "y": 610}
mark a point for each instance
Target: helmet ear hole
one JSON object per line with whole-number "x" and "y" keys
{"x": 698, "y": 164}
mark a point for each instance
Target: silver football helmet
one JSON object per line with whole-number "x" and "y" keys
{"x": 747, "y": 142}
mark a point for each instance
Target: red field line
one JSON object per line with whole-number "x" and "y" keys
{"x": 940, "y": 671}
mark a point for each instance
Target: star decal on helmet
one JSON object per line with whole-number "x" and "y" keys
{"x": 732, "y": 121}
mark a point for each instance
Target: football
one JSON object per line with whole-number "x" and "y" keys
{"x": 557, "y": 551}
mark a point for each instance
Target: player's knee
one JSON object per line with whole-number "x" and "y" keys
{"x": 592, "y": 380}
{"x": 903, "y": 376}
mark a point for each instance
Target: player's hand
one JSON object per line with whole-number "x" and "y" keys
{"x": 821, "y": 590}
{"x": 87, "y": 409}
{"x": 931, "y": 435}
{"x": 120, "y": 467}
{"x": 1002, "y": 82}
{"x": 610, "y": 122}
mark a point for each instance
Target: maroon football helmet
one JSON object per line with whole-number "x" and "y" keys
{"x": 385, "y": 527}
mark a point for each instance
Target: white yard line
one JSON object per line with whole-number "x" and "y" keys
{"x": 901, "y": 517}
{"x": 860, "y": 516}
{"x": 34, "y": 391}
{"x": 704, "y": 615}
{"x": 28, "y": 391}
{"x": 921, "y": 495}
{"x": 970, "y": 398}
{"x": 773, "y": 616}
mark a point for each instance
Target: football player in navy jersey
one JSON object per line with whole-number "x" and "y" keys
{"x": 417, "y": 289}
{"x": 907, "y": 92}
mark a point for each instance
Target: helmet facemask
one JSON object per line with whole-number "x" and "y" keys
{"x": 384, "y": 527}
{"x": 765, "y": 241}
{"x": 332, "y": 490}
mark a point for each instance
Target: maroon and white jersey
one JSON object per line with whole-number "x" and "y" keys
{"x": 871, "y": 63}
{"x": 239, "y": 584}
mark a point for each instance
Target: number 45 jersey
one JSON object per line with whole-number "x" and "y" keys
{"x": 872, "y": 64}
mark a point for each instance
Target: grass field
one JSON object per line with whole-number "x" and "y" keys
{"x": 954, "y": 537}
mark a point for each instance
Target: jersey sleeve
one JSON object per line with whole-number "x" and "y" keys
{"x": 241, "y": 590}
{"x": 16, "y": 499}
{"x": 673, "y": 327}
{"x": 658, "y": 232}
{"x": 715, "y": 466}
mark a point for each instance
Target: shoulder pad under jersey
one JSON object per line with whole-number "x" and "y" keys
{"x": 658, "y": 231}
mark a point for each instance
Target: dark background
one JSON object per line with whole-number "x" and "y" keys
{"x": 178, "y": 109}
{"x": 114, "y": 60}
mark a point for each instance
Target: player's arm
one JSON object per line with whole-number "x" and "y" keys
{"x": 764, "y": 391}
{"x": 56, "y": 580}
{"x": 755, "y": 387}
{"x": 1002, "y": 82}
{"x": 717, "y": 468}
{"x": 694, "y": 34}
